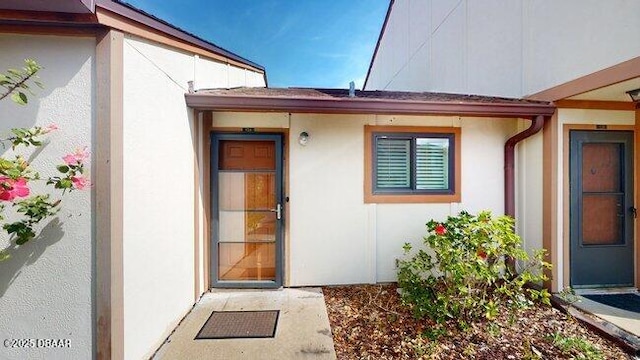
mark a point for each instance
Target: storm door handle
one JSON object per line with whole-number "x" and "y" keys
{"x": 278, "y": 211}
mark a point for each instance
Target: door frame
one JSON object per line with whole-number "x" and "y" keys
{"x": 215, "y": 137}
{"x": 577, "y": 137}
{"x": 564, "y": 187}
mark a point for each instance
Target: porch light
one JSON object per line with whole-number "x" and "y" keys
{"x": 634, "y": 94}
{"x": 303, "y": 139}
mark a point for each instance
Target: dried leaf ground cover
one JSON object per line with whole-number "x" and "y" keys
{"x": 369, "y": 322}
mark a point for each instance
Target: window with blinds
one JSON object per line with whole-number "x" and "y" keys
{"x": 413, "y": 163}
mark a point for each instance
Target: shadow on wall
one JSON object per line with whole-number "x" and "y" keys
{"x": 65, "y": 76}
{"x": 28, "y": 253}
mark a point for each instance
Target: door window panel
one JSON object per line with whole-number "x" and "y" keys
{"x": 601, "y": 220}
{"x": 247, "y": 224}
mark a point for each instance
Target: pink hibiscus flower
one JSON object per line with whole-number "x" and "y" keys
{"x": 80, "y": 182}
{"x": 12, "y": 188}
{"x": 77, "y": 157}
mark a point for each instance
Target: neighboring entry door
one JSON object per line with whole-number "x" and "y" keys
{"x": 602, "y": 210}
{"x": 246, "y": 198}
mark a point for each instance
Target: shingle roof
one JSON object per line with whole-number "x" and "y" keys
{"x": 364, "y": 102}
{"x": 314, "y": 93}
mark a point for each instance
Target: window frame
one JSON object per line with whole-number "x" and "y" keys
{"x": 372, "y": 194}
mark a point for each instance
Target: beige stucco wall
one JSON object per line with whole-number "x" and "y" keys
{"x": 501, "y": 47}
{"x": 529, "y": 190}
{"x": 159, "y": 170}
{"x": 334, "y": 237}
{"x": 46, "y": 286}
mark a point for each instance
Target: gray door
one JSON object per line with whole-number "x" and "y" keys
{"x": 602, "y": 210}
{"x": 247, "y": 213}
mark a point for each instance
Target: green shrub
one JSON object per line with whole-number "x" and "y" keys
{"x": 464, "y": 277}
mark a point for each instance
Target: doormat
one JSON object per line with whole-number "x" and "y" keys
{"x": 629, "y": 302}
{"x": 240, "y": 324}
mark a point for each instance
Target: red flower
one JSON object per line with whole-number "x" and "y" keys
{"x": 440, "y": 229}
{"x": 10, "y": 188}
{"x": 482, "y": 254}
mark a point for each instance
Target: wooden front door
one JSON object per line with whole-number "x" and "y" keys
{"x": 246, "y": 191}
{"x": 602, "y": 210}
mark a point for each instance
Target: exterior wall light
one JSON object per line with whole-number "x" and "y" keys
{"x": 303, "y": 139}
{"x": 635, "y": 95}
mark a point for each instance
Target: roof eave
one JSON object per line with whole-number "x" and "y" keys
{"x": 364, "y": 106}
{"x": 155, "y": 23}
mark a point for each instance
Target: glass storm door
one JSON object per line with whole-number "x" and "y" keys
{"x": 246, "y": 194}
{"x": 602, "y": 210}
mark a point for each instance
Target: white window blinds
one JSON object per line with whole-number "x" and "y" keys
{"x": 432, "y": 164}
{"x": 413, "y": 163}
{"x": 393, "y": 163}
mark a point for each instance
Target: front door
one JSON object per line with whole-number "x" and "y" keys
{"x": 602, "y": 210}
{"x": 246, "y": 198}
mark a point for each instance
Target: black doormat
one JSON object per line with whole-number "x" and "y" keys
{"x": 629, "y": 302}
{"x": 240, "y": 324}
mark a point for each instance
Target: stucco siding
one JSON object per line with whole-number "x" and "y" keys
{"x": 482, "y": 189}
{"x": 46, "y": 285}
{"x": 327, "y": 211}
{"x": 501, "y": 47}
{"x": 494, "y": 47}
{"x": 159, "y": 174}
{"x": 334, "y": 237}
{"x": 529, "y": 190}
{"x": 568, "y": 39}
{"x": 448, "y": 58}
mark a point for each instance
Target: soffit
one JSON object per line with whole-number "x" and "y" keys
{"x": 63, "y": 6}
{"x": 615, "y": 92}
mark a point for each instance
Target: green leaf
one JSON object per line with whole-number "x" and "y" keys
{"x": 19, "y": 98}
{"x": 64, "y": 184}
{"x": 62, "y": 168}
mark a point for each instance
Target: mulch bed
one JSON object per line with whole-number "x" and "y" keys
{"x": 369, "y": 322}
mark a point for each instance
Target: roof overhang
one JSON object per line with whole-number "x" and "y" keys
{"x": 62, "y": 6}
{"x": 620, "y": 76}
{"x": 116, "y": 14}
{"x": 208, "y": 101}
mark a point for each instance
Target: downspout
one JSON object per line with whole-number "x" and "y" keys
{"x": 509, "y": 172}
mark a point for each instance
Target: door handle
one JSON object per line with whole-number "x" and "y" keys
{"x": 278, "y": 211}
{"x": 634, "y": 211}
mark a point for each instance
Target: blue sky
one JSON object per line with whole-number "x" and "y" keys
{"x": 307, "y": 43}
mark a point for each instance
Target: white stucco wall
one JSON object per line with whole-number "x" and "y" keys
{"x": 501, "y": 47}
{"x": 529, "y": 189}
{"x": 334, "y": 237}
{"x": 159, "y": 186}
{"x": 482, "y": 187}
{"x": 46, "y": 286}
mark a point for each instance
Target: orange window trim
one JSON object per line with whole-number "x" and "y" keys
{"x": 371, "y": 198}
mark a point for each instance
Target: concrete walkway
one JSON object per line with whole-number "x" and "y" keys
{"x": 303, "y": 330}
{"x": 626, "y": 320}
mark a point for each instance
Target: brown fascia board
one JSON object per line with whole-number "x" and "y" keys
{"x": 30, "y": 17}
{"x": 364, "y": 106}
{"x": 151, "y": 21}
{"x": 375, "y": 52}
